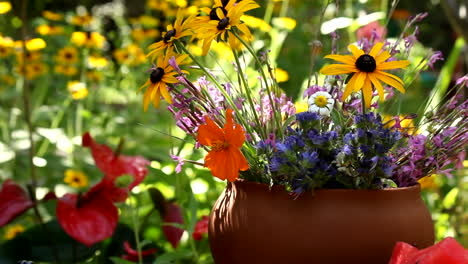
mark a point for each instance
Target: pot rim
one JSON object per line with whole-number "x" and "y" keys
{"x": 416, "y": 187}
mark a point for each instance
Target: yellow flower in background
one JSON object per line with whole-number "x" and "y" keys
{"x": 5, "y": 51}
{"x": 33, "y": 69}
{"x": 67, "y": 55}
{"x": 47, "y": 30}
{"x": 81, "y": 20}
{"x": 5, "y": 7}
{"x": 94, "y": 76}
{"x": 429, "y": 183}
{"x": 180, "y": 29}
{"x": 30, "y": 56}
{"x": 52, "y": 15}
{"x": 140, "y": 34}
{"x": 8, "y": 79}
{"x": 161, "y": 75}
{"x": 195, "y": 50}
{"x": 284, "y": 23}
{"x": 281, "y": 75}
{"x": 78, "y": 91}
{"x": 12, "y": 231}
{"x": 255, "y": 22}
{"x": 97, "y": 62}
{"x": 131, "y": 55}
{"x": 66, "y": 69}
{"x": 88, "y": 39}
{"x": 406, "y": 124}
{"x": 145, "y": 20}
{"x": 35, "y": 44}
{"x": 301, "y": 107}
{"x": 367, "y": 70}
{"x": 75, "y": 179}
{"x": 218, "y": 22}
{"x": 223, "y": 50}
{"x": 161, "y": 5}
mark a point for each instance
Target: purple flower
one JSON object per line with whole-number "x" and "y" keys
{"x": 313, "y": 89}
{"x": 436, "y": 56}
{"x": 462, "y": 81}
{"x": 180, "y": 163}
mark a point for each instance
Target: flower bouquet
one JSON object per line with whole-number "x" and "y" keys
{"x": 339, "y": 177}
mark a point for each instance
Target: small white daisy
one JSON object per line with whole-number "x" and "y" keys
{"x": 321, "y": 103}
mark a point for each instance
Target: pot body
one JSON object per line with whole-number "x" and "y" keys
{"x": 251, "y": 223}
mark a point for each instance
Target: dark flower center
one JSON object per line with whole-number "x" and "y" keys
{"x": 223, "y": 23}
{"x": 214, "y": 16}
{"x": 366, "y": 63}
{"x": 225, "y": 2}
{"x": 68, "y": 55}
{"x": 171, "y": 33}
{"x": 156, "y": 75}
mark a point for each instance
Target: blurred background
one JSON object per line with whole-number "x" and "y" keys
{"x": 86, "y": 61}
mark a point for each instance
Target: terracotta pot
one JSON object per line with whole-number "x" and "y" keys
{"x": 251, "y": 224}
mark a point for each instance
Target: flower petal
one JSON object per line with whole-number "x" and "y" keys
{"x": 367, "y": 92}
{"x": 377, "y": 86}
{"x": 390, "y": 81}
{"x": 335, "y": 69}
{"x": 375, "y": 49}
{"x": 13, "y": 201}
{"x": 347, "y": 59}
{"x": 355, "y": 51}
{"x": 349, "y": 87}
{"x": 173, "y": 215}
{"x": 389, "y": 65}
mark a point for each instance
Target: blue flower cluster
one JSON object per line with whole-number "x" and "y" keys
{"x": 316, "y": 154}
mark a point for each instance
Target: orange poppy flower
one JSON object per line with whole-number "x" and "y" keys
{"x": 225, "y": 159}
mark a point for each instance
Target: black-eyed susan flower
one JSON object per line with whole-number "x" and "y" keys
{"x": 77, "y": 90}
{"x": 67, "y": 55}
{"x": 13, "y": 230}
{"x": 142, "y": 34}
{"x": 48, "y": 30}
{"x": 367, "y": 70}
{"x": 180, "y": 29}
{"x": 66, "y": 69}
{"x": 75, "y": 179}
{"x": 161, "y": 75}
{"x": 34, "y": 70}
{"x": 88, "y": 39}
{"x": 130, "y": 55}
{"x": 81, "y": 20}
{"x": 218, "y": 22}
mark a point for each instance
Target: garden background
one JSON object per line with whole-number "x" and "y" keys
{"x": 86, "y": 60}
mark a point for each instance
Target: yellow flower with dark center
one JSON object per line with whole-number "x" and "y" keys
{"x": 367, "y": 70}
{"x": 5, "y": 7}
{"x": 13, "y": 231}
{"x": 67, "y": 55}
{"x": 131, "y": 55}
{"x": 220, "y": 20}
{"x": 5, "y": 51}
{"x": 66, "y": 69}
{"x": 88, "y": 39}
{"x": 47, "y": 30}
{"x": 180, "y": 29}
{"x": 7, "y": 79}
{"x": 33, "y": 70}
{"x": 78, "y": 91}
{"x": 81, "y": 20}
{"x": 75, "y": 179}
{"x": 140, "y": 34}
{"x": 161, "y": 75}
{"x": 52, "y": 15}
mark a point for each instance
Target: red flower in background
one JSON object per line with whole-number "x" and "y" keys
{"x": 172, "y": 215}
{"x": 92, "y": 217}
{"x": 201, "y": 227}
{"x": 447, "y": 251}
{"x": 367, "y": 31}
{"x": 13, "y": 202}
{"x": 132, "y": 254}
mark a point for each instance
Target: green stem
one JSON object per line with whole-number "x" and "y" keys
{"x": 259, "y": 63}
{"x": 247, "y": 91}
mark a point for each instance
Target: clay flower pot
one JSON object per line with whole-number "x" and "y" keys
{"x": 251, "y": 224}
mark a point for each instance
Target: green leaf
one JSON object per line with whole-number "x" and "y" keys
{"x": 34, "y": 244}
{"x": 450, "y": 198}
{"x": 172, "y": 257}
{"x": 117, "y": 260}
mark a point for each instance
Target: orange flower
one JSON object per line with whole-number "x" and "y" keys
{"x": 225, "y": 159}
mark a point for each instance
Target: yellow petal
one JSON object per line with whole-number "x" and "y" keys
{"x": 391, "y": 76}
{"x": 335, "y": 69}
{"x": 383, "y": 56}
{"x": 342, "y": 58}
{"x": 165, "y": 94}
{"x": 392, "y": 65}
{"x": 390, "y": 81}
{"x": 349, "y": 87}
{"x": 367, "y": 92}
{"x": 359, "y": 82}
{"x": 375, "y": 50}
{"x": 377, "y": 86}
{"x": 356, "y": 51}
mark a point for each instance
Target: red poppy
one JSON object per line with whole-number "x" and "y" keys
{"x": 132, "y": 254}
{"x": 13, "y": 202}
{"x": 201, "y": 227}
{"x": 92, "y": 217}
{"x": 225, "y": 159}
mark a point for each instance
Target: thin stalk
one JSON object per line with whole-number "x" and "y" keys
{"x": 257, "y": 60}
{"x": 136, "y": 229}
{"x": 247, "y": 91}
